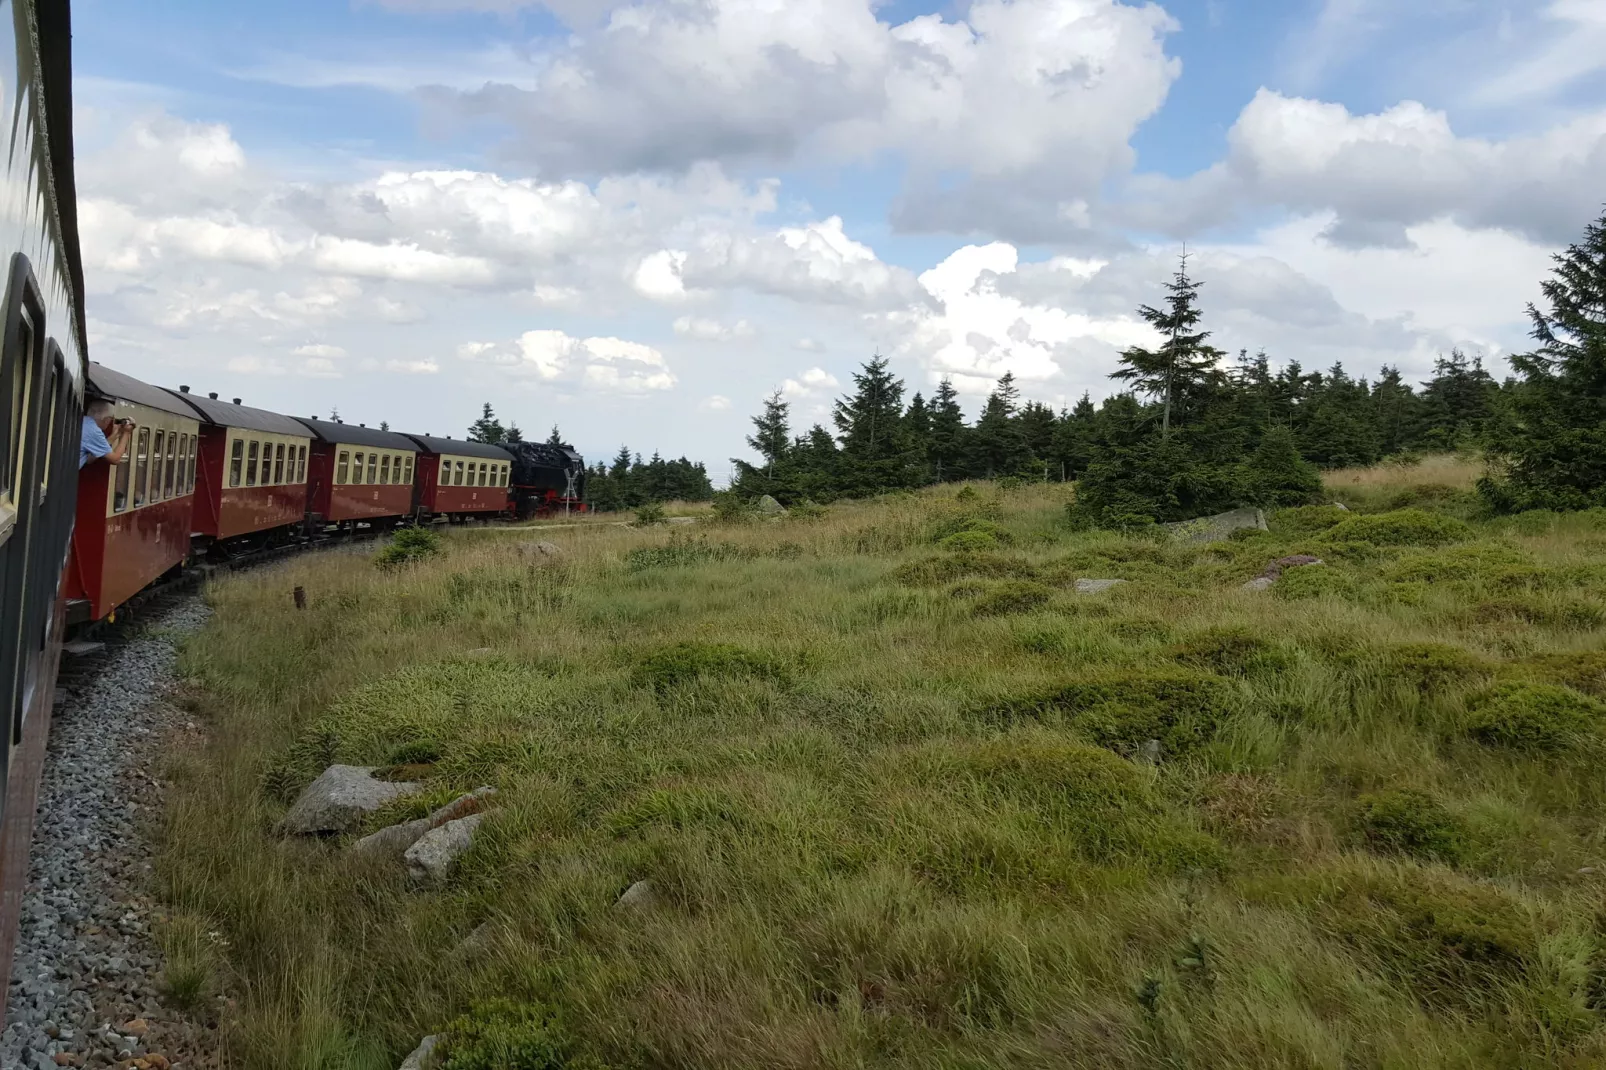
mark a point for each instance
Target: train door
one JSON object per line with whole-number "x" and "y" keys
{"x": 30, "y": 409}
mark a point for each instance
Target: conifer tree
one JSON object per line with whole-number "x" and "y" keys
{"x": 487, "y": 428}
{"x": 772, "y": 435}
{"x": 514, "y": 435}
{"x": 1175, "y": 372}
{"x": 555, "y": 438}
{"x": 876, "y": 450}
{"x": 1276, "y": 475}
{"x": 947, "y": 446}
{"x": 1553, "y": 444}
{"x": 997, "y": 445}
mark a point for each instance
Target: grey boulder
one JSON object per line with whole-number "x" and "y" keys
{"x": 768, "y": 506}
{"x": 1259, "y": 583}
{"x": 339, "y": 800}
{"x": 638, "y": 896}
{"x": 393, "y": 842}
{"x": 1218, "y": 527}
{"x": 434, "y": 857}
{"x": 423, "y": 1056}
{"x": 1096, "y": 586}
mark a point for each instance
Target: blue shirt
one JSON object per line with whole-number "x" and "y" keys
{"x": 92, "y": 444}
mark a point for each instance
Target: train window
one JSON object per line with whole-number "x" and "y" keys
{"x": 142, "y": 461}
{"x": 457, "y": 474}
{"x": 183, "y": 460}
{"x": 408, "y": 475}
{"x": 373, "y": 468}
{"x": 278, "y": 463}
{"x": 341, "y": 467}
{"x": 156, "y": 468}
{"x": 236, "y": 461}
{"x": 384, "y": 469}
{"x": 168, "y": 478}
{"x": 189, "y": 469}
{"x": 251, "y": 453}
{"x": 18, "y": 370}
{"x": 301, "y": 464}
{"x": 120, "y": 486}
{"x": 356, "y": 468}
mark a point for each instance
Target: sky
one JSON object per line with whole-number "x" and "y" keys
{"x": 636, "y": 220}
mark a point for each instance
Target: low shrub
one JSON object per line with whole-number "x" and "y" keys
{"x": 1124, "y": 709}
{"x": 807, "y": 510}
{"x": 1546, "y": 612}
{"x": 1414, "y": 823}
{"x": 732, "y": 508}
{"x": 502, "y": 1035}
{"x": 682, "y": 551}
{"x": 1450, "y": 941}
{"x": 1582, "y": 671}
{"x": 1314, "y": 581}
{"x": 682, "y": 663}
{"x": 1403, "y": 527}
{"x": 1478, "y": 561}
{"x": 937, "y": 571}
{"x": 415, "y": 752}
{"x": 970, "y": 524}
{"x": 1304, "y": 520}
{"x": 650, "y": 514}
{"x": 1097, "y": 804}
{"x": 969, "y": 542}
{"x": 1536, "y": 717}
{"x": 1013, "y": 596}
{"x": 1230, "y": 651}
{"x": 1432, "y": 666}
{"x": 407, "y": 546}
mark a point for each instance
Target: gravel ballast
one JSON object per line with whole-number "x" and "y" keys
{"x": 85, "y": 978}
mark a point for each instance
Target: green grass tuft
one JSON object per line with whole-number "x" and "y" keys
{"x": 1414, "y": 823}
{"x": 1404, "y": 527}
{"x": 1534, "y": 717}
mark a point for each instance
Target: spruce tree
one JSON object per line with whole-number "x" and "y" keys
{"x": 997, "y": 444}
{"x": 487, "y": 428}
{"x": 1458, "y": 402}
{"x": 772, "y": 434}
{"x": 876, "y": 450}
{"x": 1073, "y": 438}
{"x": 1552, "y": 444}
{"x": 1176, "y": 371}
{"x": 1276, "y": 476}
{"x": 555, "y": 438}
{"x": 513, "y": 435}
{"x": 947, "y": 446}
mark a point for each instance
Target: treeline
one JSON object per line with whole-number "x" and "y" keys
{"x": 1196, "y": 434}
{"x": 629, "y": 482}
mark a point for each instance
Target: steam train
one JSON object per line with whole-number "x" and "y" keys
{"x": 201, "y": 478}
{"x": 207, "y": 478}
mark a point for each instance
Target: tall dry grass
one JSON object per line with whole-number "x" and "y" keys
{"x": 895, "y": 803}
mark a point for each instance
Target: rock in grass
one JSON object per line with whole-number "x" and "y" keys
{"x": 433, "y": 858}
{"x": 1096, "y": 586}
{"x": 339, "y": 799}
{"x": 423, "y": 1056}
{"x": 1151, "y": 752}
{"x": 542, "y": 549}
{"x": 638, "y": 896}
{"x": 393, "y": 842}
{"x": 1218, "y": 527}
{"x": 1259, "y": 583}
{"x": 768, "y": 506}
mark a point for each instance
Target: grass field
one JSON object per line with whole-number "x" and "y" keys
{"x": 891, "y": 780}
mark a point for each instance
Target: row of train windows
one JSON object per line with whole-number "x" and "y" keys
{"x": 163, "y": 466}
{"x": 476, "y": 474}
{"x": 266, "y": 463}
{"x": 379, "y": 467}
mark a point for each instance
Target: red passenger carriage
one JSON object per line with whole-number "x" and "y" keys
{"x": 458, "y": 479}
{"x": 358, "y": 474}
{"x": 252, "y": 482}
{"x": 134, "y": 517}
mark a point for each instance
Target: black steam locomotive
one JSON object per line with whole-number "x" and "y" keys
{"x": 548, "y": 480}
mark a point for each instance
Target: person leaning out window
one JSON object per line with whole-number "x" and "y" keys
{"x": 103, "y": 436}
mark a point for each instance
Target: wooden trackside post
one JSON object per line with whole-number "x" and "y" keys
{"x": 301, "y": 597}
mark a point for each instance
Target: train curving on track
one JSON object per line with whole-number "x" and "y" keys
{"x": 203, "y": 479}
